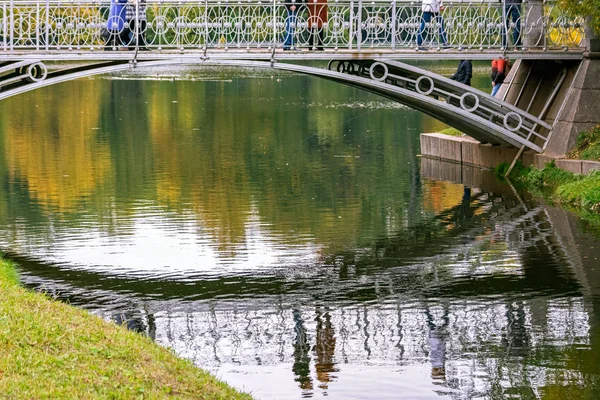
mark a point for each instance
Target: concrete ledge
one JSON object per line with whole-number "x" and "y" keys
{"x": 589, "y": 166}
{"x": 538, "y": 161}
{"x": 464, "y": 149}
{"x": 430, "y": 145}
{"x": 438, "y": 145}
{"x": 471, "y": 153}
{"x": 573, "y": 166}
{"x": 468, "y": 151}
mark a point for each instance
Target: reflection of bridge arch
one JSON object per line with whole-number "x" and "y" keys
{"x": 479, "y": 320}
{"x": 469, "y": 110}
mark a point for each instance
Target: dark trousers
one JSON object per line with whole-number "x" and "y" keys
{"x": 140, "y": 40}
{"x": 290, "y": 30}
{"x": 118, "y": 38}
{"x": 425, "y": 19}
{"x": 316, "y": 38}
{"x": 512, "y": 11}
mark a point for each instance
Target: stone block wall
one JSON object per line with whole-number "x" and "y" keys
{"x": 467, "y": 151}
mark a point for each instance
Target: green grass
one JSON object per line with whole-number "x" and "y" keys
{"x": 578, "y": 192}
{"x": 452, "y": 132}
{"x": 588, "y": 146}
{"x": 50, "y": 350}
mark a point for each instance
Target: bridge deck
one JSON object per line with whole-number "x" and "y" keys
{"x": 300, "y": 55}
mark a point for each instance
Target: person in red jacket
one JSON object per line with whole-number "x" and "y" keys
{"x": 500, "y": 68}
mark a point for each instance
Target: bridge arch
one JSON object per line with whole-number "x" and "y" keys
{"x": 467, "y": 109}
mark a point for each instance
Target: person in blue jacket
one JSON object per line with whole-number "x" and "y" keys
{"x": 115, "y": 25}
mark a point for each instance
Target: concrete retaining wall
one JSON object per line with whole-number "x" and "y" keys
{"x": 468, "y": 151}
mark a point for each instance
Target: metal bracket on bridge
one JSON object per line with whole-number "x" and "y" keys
{"x": 20, "y": 73}
{"x": 485, "y": 118}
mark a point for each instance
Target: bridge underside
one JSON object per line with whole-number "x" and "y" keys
{"x": 469, "y": 110}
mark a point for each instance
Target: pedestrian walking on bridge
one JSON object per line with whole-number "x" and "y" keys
{"x": 464, "y": 72}
{"x": 137, "y": 26}
{"x": 117, "y": 32}
{"x": 431, "y": 10}
{"x": 500, "y": 67}
{"x": 512, "y": 10}
{"x": 289, "y": 40}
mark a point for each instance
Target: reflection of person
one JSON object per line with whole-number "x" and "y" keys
{"x": 464, "y": 72}
{"x": 431, "y": 9}
{"x": 301, "y": 367}
{"x": 499, "y": 70}
{"x": 290, "y": 24}
{"x": 325, "y": 349}
{"x": 118, "y": 34}
{"x": 317, "y": 11}
{"x": 437, "y": 345}
{"x": 512, "y": 10}
{"x": 137, "y": 33}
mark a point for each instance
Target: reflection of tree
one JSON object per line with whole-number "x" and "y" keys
{"x": 53, "y": 147}
{"x": 227, "y": 152}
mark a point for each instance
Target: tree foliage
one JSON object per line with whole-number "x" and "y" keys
{"x": 588, "y": 8}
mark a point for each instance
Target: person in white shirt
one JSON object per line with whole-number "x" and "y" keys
{"x": 431, "y": 9}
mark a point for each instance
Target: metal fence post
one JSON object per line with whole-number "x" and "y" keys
{"x": 11, "y": 27}
{"x": 4, "y": 26}
{"x": 393, "y": 27}
{"x": 205, "y": 27}
{"x": 274, "y": 27}
{"x": 351, "y": 31}
{"x": 47, "y": 30}
{"x": 505, "y": 25}
{"x": 37, "y": 26}
{"x": 359, "y": 26}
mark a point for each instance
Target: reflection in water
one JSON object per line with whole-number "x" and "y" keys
{"x": 437, "y": 345}
{"x": 273, "y": 231}
{"x": 301, "y": 366}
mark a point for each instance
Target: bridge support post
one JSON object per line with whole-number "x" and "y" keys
{"x": 578, "y": 110}
{"x": 591, "y": 41}
{"x": 533, "y": 25}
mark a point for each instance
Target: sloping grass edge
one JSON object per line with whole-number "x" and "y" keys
{"x": 578, "y": 192}
{"x": 50, "y": 350}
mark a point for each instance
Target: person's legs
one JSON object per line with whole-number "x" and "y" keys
{"x": 290, "y": 25}
{"x": 443, "y": 38}
{"x": 495, "y": 89}
{"x": 516, "y": 17}
{"x": 425, "y": 18}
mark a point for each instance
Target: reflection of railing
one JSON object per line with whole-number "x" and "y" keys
{"x": 252, "y": 24}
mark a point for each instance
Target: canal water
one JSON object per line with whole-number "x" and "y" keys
{"x": 282, "y": 232}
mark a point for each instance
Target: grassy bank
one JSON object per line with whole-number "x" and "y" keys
{"x": 579, "y": 192}
{"x": 51, "y": 350}
{"x": 588, "y": 146}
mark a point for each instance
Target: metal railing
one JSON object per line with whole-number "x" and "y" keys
{"x": 355, "y": 25}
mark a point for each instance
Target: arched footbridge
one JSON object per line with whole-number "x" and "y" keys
{"x": 485, "y": 118}
{"x": 44, "y": 42}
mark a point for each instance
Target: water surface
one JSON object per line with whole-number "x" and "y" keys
{"x": 282, "y": 232}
